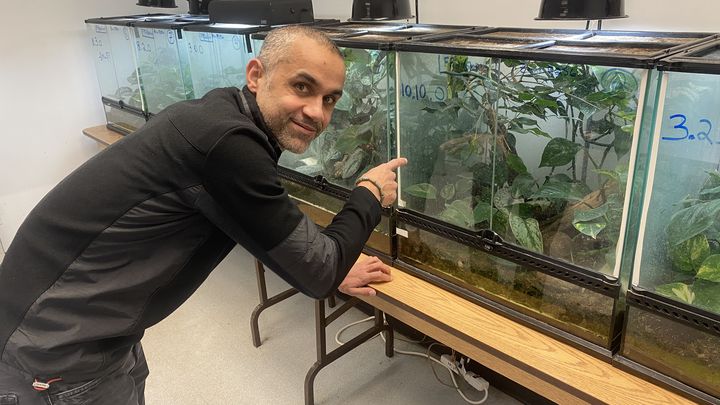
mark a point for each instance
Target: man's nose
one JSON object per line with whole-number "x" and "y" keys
{"x": 314, "y": 110}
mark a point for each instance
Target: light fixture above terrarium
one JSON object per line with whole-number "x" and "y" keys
{"x": 373, "y": 10}
{"x": 157, "y": 3}
{"x": 582, "y": 10}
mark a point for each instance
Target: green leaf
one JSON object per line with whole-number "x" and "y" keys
{"x": 522, "y": 185}
{"x": 689, "y": 255}
{"x": 448, "y": 191}
{"x": 463, "y": 186}
{"x": 590, "y": 228}
{"x": 556, "y": 190}
{"x": 516, "y": 164}
{"x": 482, "y": 212}
{"x": 460, "y": 213}
{"x": 559, "y": 152}
{"x": 344, "y": 103}
{"x": 679, "y": 291}
{"x": 622, "y": 143}
{"x": 710, "y": 269}
{"x": 589, "y": 215}
{"x": 422, "y": 190}
{"x": 527, "y": 232}
{"x": 354, "y": 163}
{"x": 348, "y": 142}
{"x": 707, "y": 295}
{"x": 691, "y": 221}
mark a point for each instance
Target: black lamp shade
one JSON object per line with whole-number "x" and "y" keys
{"x": 157, "y": 3}
{"x": 381, "y": 10}
{"x": 581, "y": 9}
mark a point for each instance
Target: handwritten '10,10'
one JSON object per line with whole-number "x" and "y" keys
{"x": 683, "y": 132}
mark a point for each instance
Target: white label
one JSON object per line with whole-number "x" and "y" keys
{"x": 401, "y": 232}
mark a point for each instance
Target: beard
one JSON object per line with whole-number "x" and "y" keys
{"x": 290, "y": 138}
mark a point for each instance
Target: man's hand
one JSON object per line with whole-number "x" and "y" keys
{"x": 370, "y": 270}
{"x": 381, "y": 180}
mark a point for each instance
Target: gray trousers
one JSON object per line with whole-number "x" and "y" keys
{"x": 124, "y": 386}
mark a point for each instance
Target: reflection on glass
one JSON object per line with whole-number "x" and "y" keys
{"x": 322, "y": 208}
{"x": 358, "y": 135}
{"x": 536, "y": 151}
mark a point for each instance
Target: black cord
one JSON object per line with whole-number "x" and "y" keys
{"x": 417, "y": 14}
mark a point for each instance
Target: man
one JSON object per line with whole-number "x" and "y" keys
{"x": 126, "y": 238}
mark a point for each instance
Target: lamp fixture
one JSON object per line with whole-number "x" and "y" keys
{"x": 157, "y": 3}
{"x": 582, "y": 10}
{"x": 374, "y": 10}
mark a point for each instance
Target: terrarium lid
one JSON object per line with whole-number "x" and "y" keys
{"x": 581, "y": 9}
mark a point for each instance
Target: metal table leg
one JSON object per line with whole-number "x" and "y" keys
{"x": 265, "y": 302}
{"x": 324, "y": 358}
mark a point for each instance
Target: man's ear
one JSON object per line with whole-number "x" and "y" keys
{"x": 254, "y": 72}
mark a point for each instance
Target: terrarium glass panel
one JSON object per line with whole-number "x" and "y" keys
{"x": 358, "y": 136}
{"x": 122, "y": 42}
{"x": 674, "y": 349}
{"x": 99, "y": 38}
{"x": 680, "y": 228}
{"x": 537, "y": 152}
{"x": 163, "y": 66}
{"x": 233, "y": 55}
{"x": 321, "y": 208}
{"x": 203, "y": 61}
{"x": 559, "y": 303}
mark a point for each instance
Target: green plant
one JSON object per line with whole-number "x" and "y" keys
{"x": 693, "y": 248}
{"x": 570, "y": 204}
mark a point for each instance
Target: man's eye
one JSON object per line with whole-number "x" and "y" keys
{"x": 330, "y": 100}
{"x": 301, "y": 86}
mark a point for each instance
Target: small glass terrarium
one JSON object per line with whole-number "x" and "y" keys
{"x": 218, "y": 54}
{"x": 520, "y": 143}
{"x": 113, "y": 44}
{"x": 163, "y": 65}
{"x": 673, "y": 322}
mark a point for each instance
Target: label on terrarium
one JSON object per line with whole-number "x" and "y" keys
{"x": 401, "y": 232}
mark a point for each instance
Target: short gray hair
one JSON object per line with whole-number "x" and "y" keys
{"x": 279, "y": 41}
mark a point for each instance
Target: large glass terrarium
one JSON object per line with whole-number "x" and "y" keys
{"x": 218, "y": 54}
{"x": 163, "y": 65}
{"x": 113, "y": 44}
{"x": 520, "y": 143}
{"x": 672, "y": 330}
{"x": 361, "y": 132}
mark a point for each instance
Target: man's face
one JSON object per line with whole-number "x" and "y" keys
{"x": 298, "y": 95}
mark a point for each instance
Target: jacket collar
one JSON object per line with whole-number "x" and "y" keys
{"x": 249, "y": 107}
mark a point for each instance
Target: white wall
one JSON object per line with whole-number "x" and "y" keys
{"x": 48, "y": 90}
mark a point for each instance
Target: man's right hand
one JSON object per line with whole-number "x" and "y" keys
{"x": 383, "y": 176}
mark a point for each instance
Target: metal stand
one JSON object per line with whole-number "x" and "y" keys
{"x": 266, "y": 302}
{"x": 324, "y": 358}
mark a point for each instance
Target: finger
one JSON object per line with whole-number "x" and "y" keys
{"x": 361, "y": 291}
{"x": 395, "y": 163}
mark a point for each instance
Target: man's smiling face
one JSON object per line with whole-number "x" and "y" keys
{"x": 297, "y": 96}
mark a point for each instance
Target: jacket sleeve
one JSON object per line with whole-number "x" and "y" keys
{"x": 240, "y": 176}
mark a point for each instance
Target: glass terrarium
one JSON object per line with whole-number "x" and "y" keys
{"x": 673, "y": 323}
{"x": 520, "y": 143}
{"x": 218, "y": 54}
{"x": 113, "y": 44}
{"x": 163, "y": 65}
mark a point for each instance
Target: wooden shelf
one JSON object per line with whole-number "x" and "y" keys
{"x": 102, "y": 134}
{"x": 539, "y": 362}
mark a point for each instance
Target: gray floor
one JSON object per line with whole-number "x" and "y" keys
{"x": 203, "y": 353}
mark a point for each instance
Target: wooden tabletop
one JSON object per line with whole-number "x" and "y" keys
{"x": 539, "y": 362}
{"x": 102, "y": 134}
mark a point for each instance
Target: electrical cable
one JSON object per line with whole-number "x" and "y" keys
{"x": 418, "y": 354}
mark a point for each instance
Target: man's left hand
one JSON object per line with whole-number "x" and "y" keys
{"x": 370, "y": 270}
